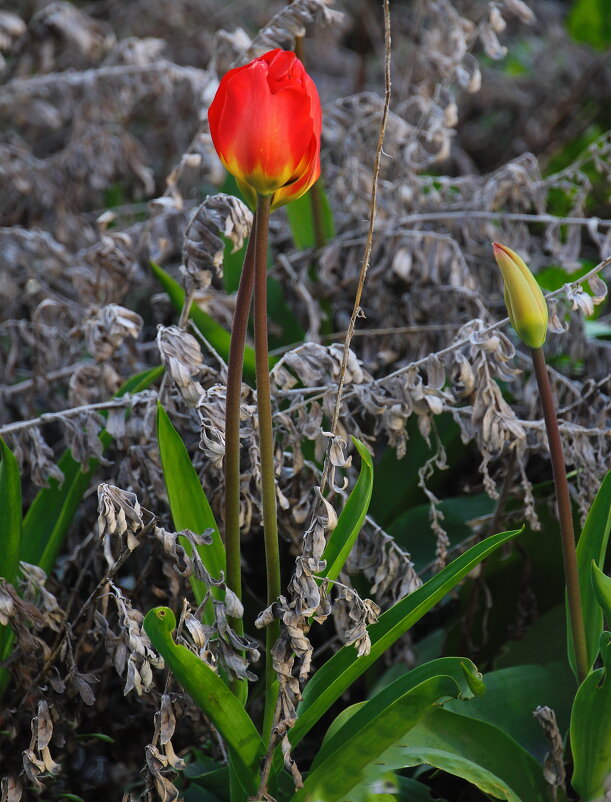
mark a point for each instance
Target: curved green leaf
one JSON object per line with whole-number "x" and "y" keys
{"x": 218, "y": 337}
{"x": 513, "y": 693}
{"x": 591, "y": 730}
{"x": 189, "y": 505}
{"x": 373, "y": 728}
{"x": 602, "y": 589}
{"x": 351, "y": 518}
{"x": 53, "y": 508}
{"x": 10, "y": 519}
{"x": 474, "y": 750}
{"x": 341, "y": 670}
{"x": 211, "y": 695}
{"x": 592, "y": 545}
{"x": 463, "y": 673}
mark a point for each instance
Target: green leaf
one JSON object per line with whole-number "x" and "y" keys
{"x": 341, "y": 670}
{"x": 474, "y": 750}
{"x": 211, "y": 695}
{"x": 189, "y": 505}
{"x": 410, "y": 790}
{"x": 544, "y": 642}
{"x": 351, "y": 518}
{"x": 511, "y": 696}
{"x": 591, "y": 730}
{"x": 373, "y": 728}
{"x": 299, "y": 213}
{"x": 464, "y": 674}
{"x": 52, "y": 510}
{"x": 589, "y": 21}
{"x": 10, "y": 520}
{"x": 602, "y": 588}
{"x": 10, "y": 539}
{"x": 592, "y": 545}
{"x": 99, "y": 736}
{"x": 218, "y": 337}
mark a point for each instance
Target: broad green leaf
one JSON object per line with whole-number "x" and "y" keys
{"x": 511, "y": 696}
{"x": 374, "y": 728}
{"x": 591, "y": 730}
{"x": 592, "y": 545}
{"x": 51, "y": 513}
{"x": 301, "y": 220}
{"x": 396, "y": 488}
{"x": 589, "y": 21}
{"x": 341, "y": 670}
{"x": 351, "y": 518}
{"x": 218, "y": 337}
{"x": 543, "y": 643}
{"x": 412, "y": 529}
{"x": 211, "y": 695}
{"x": 195, "y": 793}
{"x": 189, "y": 505}
{"x": 602, "y": 589}
{"x": 464, "y": 674}
{"x": 10, "y": 519}
{"x": 474, "y": 750}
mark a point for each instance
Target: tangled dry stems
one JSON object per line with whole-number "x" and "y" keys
{"x": 105, "y": 107}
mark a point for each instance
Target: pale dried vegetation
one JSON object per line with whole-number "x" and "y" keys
{"x": 105, "y": 159}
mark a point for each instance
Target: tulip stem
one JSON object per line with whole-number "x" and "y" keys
{"x": 564, "y": 513}
{"x": 232, "y": 424}
{"x": 266, "y": 448}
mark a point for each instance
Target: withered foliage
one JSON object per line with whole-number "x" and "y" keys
{"x": 107, "y": 164}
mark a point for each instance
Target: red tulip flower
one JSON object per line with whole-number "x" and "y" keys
{"x": 265, "y": 123}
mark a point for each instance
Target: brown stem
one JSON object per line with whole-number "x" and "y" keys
{"x": 232, "y": 423}
{"x": 564, "y": 513}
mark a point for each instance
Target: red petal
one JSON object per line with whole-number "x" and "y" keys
{"x": 262, "y": 137}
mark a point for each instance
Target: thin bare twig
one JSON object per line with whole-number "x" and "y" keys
{"x": 49, "y": 417}
{"x": 356, "y": 309}
{"x": 489, "y": 329}
{"x": 463, "y": 214}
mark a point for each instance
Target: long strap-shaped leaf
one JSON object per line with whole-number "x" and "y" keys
{"x": 211, "y": 695}
{"x": 189, "y": 505}
{"x": 374, "y": 728}
{"x": 341, "y": 670}
{"x": 10, "y": 537}
{"x": 592, "y": 545}
{"x": 351, "y": 518}
{"x": 10, "y": 513}
{"x": 591, "y": 730}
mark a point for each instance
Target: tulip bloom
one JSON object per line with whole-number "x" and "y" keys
{"x": 265, "y": 123}
{"x": 523, "y": 297}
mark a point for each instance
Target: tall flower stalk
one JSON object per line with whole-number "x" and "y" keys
{"x": 528, "y": 315}
{"x": 565, "y": 513}
{"x": 266, "y": 447}
{"x": 265, "y": 122}
{"x": 232, "y": 421}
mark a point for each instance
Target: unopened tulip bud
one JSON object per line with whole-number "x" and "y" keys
{"x": 523, "y": 297}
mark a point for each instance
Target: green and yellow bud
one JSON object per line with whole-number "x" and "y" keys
{"x": 523, "y": 297}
